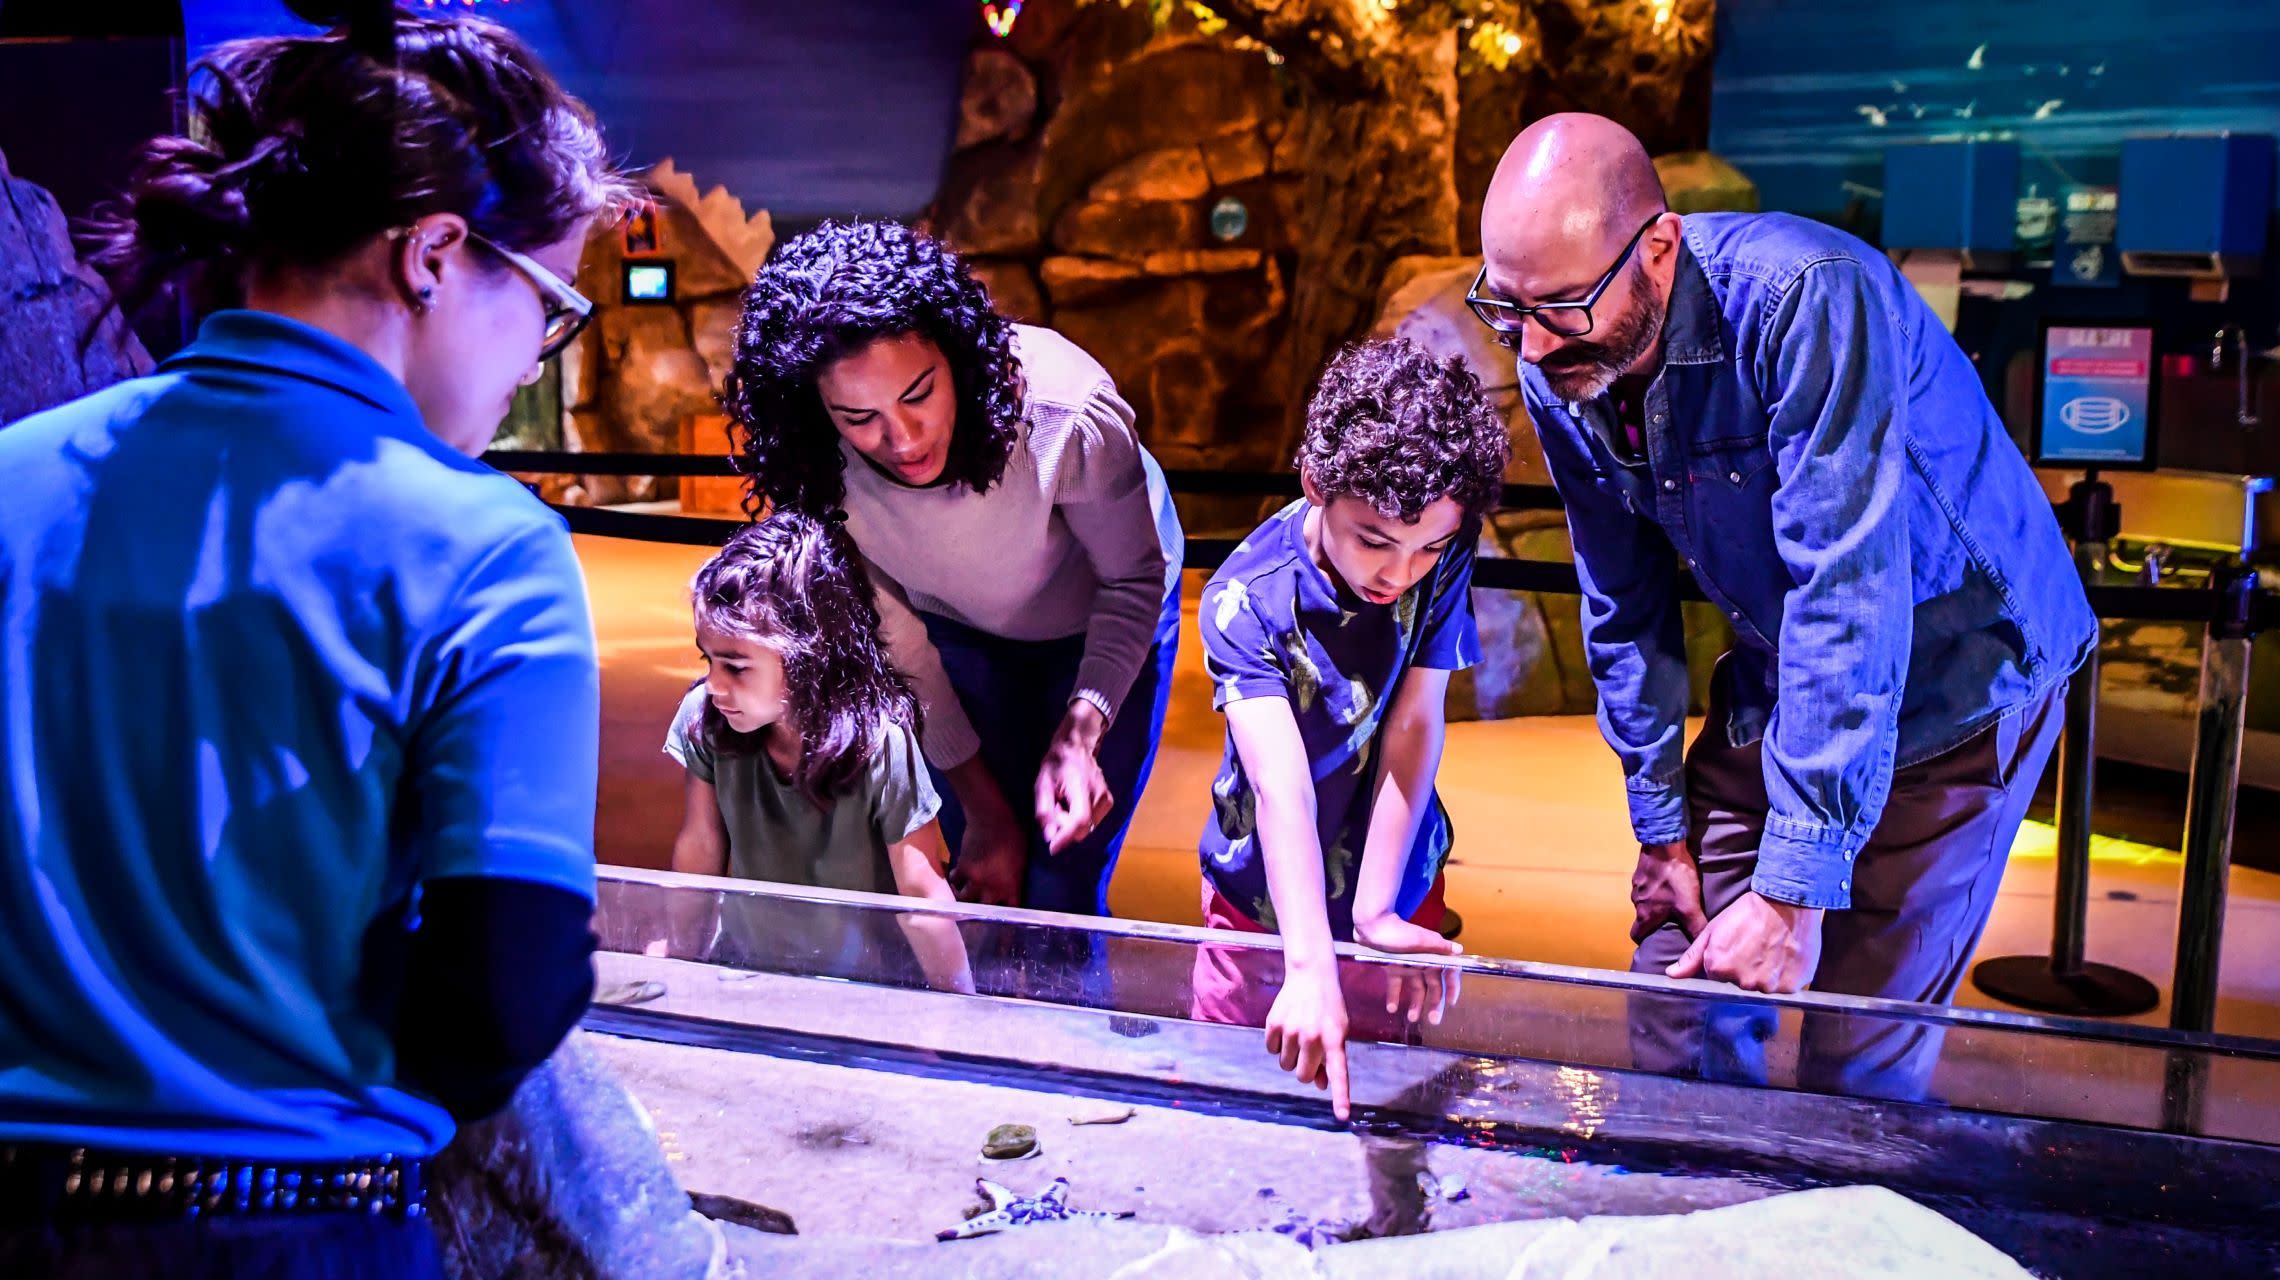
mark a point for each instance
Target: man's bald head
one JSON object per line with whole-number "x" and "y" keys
{"x": 1570, "y": 186}
{"x": 1576, "y": 202}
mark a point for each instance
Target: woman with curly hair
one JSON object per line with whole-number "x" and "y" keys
{"x": 801, "y": 741}
{"x": 1026, "y": 551}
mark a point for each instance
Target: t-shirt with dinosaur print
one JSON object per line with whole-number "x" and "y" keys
{"x": 1276, "y": 626}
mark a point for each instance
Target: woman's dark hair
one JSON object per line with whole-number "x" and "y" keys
{"x": 1400, "y": 430}
{"x": 795, "y": 584}
{"x": 303, "y": 147}
{"x": 828, "y": 293}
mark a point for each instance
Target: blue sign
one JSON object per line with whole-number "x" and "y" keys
{"x": 2097, "y": 396}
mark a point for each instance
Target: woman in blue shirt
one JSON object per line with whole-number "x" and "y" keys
{"x": 298, "y": 701}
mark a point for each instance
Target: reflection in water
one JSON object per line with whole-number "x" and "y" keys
{"x": 1587, "y": 1094}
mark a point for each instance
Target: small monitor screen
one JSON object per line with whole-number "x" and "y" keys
{"x": 2097, "y": 402}
{"x": 648, "y": 282}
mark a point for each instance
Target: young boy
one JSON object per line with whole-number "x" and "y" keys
{"x": 1330, "y": 635}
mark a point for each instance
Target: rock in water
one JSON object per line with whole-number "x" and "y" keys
{"x": 1010, "y": 1142}
{"x": 743, "y": 1213}
{"x": 567, "y": 1183}
{"x": 47, "y": 302}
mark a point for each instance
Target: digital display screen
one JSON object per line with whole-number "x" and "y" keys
{"x": 2097, "y": 396}
{"x": 648, "y": 282}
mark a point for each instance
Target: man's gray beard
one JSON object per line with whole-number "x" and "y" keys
{"x": 1591, "y": 381}
{"x": 1579, "y": 385}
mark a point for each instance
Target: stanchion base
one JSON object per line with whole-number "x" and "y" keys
{"x": 2098, "y": 991}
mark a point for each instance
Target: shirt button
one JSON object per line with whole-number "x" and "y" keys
{"x": 1690, "y": 562}
{"x": 1670, "y": 486}
{"x": 1737, "y": 615}
{"x": 1845, "y": 885}
{"x": 1734, "y": 477}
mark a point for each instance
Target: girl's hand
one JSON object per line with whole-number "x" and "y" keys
{"x": 1072, "y": 794}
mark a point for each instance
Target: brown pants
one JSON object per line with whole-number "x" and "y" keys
{"x": 1922, "y": 890}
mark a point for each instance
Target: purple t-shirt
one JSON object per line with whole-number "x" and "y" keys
{"x": 1276, "y": 626}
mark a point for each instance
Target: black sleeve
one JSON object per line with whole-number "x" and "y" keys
{"x": 499, "y": 971}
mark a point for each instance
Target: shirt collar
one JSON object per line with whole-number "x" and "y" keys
{"x": 269, "y": 343}
{"x": 1315, "y": 591}
{"x": 1691, "y": 329}
{"x": 280, "y": 344}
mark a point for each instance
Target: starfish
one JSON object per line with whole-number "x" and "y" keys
{"x": 1009, "y": 1208}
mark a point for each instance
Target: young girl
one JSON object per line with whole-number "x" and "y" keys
{"x": 1026, "y": 549}
{"x": 801, "y": 741}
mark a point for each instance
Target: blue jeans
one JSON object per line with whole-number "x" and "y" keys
{"x": 1015, "y": 692}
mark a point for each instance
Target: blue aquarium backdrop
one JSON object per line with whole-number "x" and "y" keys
{"x": 806, "y": 108}
{"x": 1807, "y": 94}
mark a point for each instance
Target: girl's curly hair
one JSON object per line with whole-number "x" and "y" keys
{"x": 796, "y": 584}
{"x": 826, "y": 294}
{"x": 1400, "y": 430}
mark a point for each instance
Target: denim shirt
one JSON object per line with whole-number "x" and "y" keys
{"x": 1822, "y": 458}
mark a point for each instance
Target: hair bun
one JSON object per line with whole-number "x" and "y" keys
{"x": 369, "y": 25}
{"x": 323, "y": 13}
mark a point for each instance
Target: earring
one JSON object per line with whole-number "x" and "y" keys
{"x": 427, "y": 297}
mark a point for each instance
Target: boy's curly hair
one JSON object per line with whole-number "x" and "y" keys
{"x": 827, "y": 294}
{"x": 1400, "y": 430}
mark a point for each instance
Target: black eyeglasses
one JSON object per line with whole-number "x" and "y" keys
{"x": 1561, "y": 319}
{"x": 567, "y": 310}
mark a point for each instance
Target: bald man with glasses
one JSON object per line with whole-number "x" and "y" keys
{"x": 1764, "y": 403}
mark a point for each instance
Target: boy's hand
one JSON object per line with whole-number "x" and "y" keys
{"x": 1427, "y": 993}
{"x": 1072, "y": 794}
{"x": 1666, "y": 888}
{"x": 1306, "y": 1029}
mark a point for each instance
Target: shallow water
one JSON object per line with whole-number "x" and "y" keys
{"x": 832, "y": 1085}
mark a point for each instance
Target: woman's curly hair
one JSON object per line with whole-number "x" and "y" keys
{"x": 796, "y": 584}
{"x": 826, "y": 294}
{"x": 1400, "y": 430}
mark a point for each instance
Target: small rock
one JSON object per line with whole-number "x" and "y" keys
{"x": 743, "y": 1213}
{"x": 1118, "y": 1116}
{"x": 1010, "y": 1142}
{"x": 625, "y": 993}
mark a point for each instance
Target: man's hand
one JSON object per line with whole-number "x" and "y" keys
{"x": 992, "y": 856}
{"x": 1427, "y": 993}
{"x": 1072, "y": 794}
{"x": 1758, "y": 945}
{"x": 1666, "y": 888}
{"x": 1306, "y": 1029}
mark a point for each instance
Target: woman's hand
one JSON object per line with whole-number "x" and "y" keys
{"x": 1072, "y": 794}
{"x": 993, "y": 853}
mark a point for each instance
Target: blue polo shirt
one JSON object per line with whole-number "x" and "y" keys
{"x": 271, "y": 657}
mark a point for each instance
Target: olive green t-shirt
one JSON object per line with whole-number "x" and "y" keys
{"x": 775, "y": 833}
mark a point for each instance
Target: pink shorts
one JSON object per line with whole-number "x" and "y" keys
{"x": 1238, "y": 985}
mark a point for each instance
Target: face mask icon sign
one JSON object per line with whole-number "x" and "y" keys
{"x": 2094, "y": 415}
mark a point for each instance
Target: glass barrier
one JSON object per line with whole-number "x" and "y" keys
{"x": 2020, "y": 1127}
